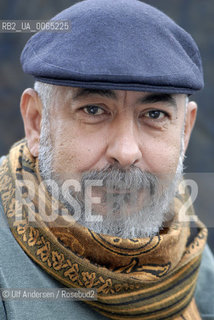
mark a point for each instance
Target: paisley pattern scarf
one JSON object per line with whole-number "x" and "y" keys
{"x": 149, "y": 278}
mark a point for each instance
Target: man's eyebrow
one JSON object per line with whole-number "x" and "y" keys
{"x": 158, "y": 97}
{"x": 149, "y": 98}
{"x": 85, "y": 92}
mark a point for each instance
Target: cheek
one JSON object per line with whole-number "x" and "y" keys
{"x": 161, "y": 155}
{"x": 75, "y": 150}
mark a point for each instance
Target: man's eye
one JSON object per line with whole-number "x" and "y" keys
{"x": 156, "y": 114}
{"x": 93, "y": 110}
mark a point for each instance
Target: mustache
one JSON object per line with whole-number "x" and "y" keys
{"x": 116, "y": 178}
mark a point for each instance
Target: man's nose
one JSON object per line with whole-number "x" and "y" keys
{"x": 123, "y": 144}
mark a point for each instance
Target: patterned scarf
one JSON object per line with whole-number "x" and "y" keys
{"x": 148, "y": 278}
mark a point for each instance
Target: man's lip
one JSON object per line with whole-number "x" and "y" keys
{"x": 110, "y": 190}
{"x": 116, "y": 191}
{"x": 113, "y": 191}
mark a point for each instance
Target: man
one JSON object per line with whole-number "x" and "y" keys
{"x": 93, "y": 194}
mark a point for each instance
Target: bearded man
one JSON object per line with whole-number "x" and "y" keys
{"x": 93, "y": 197}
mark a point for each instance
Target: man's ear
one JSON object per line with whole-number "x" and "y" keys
{"x": 31, "y": 110}
{"x": 190, "y": 121}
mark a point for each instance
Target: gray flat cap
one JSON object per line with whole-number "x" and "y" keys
{"x": 116, "y": 44}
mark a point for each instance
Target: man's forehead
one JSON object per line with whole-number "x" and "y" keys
{"x": 139, "y": 96}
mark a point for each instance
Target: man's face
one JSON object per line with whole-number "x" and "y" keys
{"x": 131, "y": 141}
{"x": 91, "y": 129}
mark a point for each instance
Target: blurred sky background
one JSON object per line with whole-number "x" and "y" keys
{"x": 195, "y": 16}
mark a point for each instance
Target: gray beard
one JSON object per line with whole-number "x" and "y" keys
{"x": 123, "y": 217}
